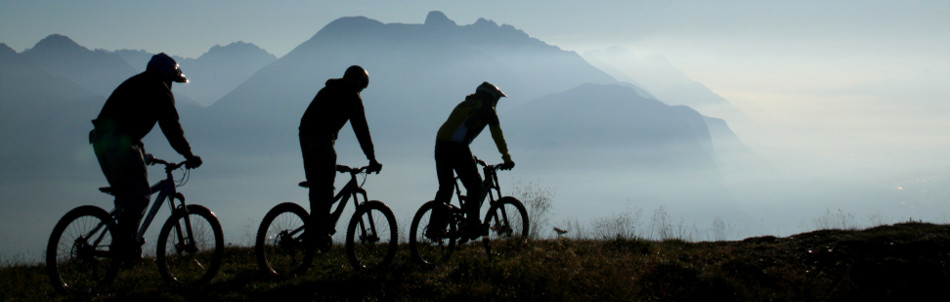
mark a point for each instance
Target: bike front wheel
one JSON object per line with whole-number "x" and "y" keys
{"x": 79, "y": 257}
{"x": 372, "y": 236}
{"x": 507, "y": 221}
{"x": 431, "y": 245}
{"x": 190, "y": 246}
{"x": 280, "y": 246}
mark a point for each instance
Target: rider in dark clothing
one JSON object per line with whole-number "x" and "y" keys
{"x": 452, "y": 153}
{"x": 128, "y": 115}
{"x": 338, "y": 102}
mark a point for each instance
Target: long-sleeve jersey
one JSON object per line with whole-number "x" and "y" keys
{"x": 468, "y": 119}
{"x": 137, "y": 105}
{"x": 331, "y": 108}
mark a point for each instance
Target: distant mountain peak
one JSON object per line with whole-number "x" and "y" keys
{"x": 6, "y": 50}
{"x": 56, "y": 42}
{"x": 437, "y": 18}
{"x": 238, "y": 44}
{"x": 482, "y": 22}
{"x": 351, "y": 23}
{"x": 236, "y": 49}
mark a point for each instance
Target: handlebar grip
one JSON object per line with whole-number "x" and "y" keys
{"x": 155, "y": 161}
{"x": 149, "y": 158}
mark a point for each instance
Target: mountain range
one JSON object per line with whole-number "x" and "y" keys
{"x": 662, "y": 80}
{"x": 243, "y": 105}
{"x": 418, "y": 72}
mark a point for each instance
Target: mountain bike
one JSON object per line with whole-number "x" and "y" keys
{"x": 80, "y": 257}
{"x": 371, "y": 235}
{"x": 506, "y": 221}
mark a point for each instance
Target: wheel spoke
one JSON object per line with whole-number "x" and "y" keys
{"x": 371, "y": 236}
{"x": 75, "y": 263}
{"x": 431, "y": 245}
{"x": 190, "y": 247}
{"x": 280, "y": 247}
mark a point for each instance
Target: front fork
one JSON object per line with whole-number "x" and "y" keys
{"x": 367, "y": 226}
{"x": 184, "y": 236}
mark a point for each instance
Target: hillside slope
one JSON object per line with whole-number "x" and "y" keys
{"x": 909, "y": 261}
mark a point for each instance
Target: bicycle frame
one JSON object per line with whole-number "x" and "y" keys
{"x": 284, "y": 249}
{"x": 85, "y": 249}
{"x": 351, "y": 189}
{"x": 490, "y": 186}
{"x": 166, "y": 190}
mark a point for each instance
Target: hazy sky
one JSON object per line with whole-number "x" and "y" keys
{"x": 843, "y": 90}
{"x": 741, "y": 49}
{"x": 825, "y": 78}
{"x": 758, "y": 30}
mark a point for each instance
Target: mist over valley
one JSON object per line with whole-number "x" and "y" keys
{"x": 602, "y": 140}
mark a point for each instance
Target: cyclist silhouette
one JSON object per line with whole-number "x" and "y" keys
{"x": 335, "y": 104}
{"x": 127, "y": 116}
{"x": 452, "y": 153}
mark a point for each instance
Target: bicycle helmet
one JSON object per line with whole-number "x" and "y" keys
{"x": 490, "y": 90}
{"x": 167, "y": 67}
{"x": 358, "y": 75}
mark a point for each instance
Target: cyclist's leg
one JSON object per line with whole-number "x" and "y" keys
{"x": 444, "y": 170}
{"x": 319, "y": 161}
{"x": 123, "y": 164}
{"x": 468, "y": 172}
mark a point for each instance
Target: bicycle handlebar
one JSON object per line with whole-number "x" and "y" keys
{"x": 152, "y": 160}
{"x": 492, "y": 167}
{"x": 348, "y": 169}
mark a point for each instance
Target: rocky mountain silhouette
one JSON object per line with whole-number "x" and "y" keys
{"x": 670, "y": 85}
{"x": 615, "y": 117}
{"x": 222, "y": 69}
{"x": 561, "y": 114}
{"x": 40, "y": 106}
{"x": 214, "y": 73}
{"x": 99, "y": 71}
{"x": 52, "y": 91}
{"x": 418, "y": 72}
{"x": 6, "y": 51}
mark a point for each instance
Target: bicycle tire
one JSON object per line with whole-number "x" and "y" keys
{"x": 76, "y": 265}
{"x": 430, "y": 252}
{"x": 508, "y": 225}
{"x": 190, "y": 246}
{"x": 372, "y": 236}
{"x": 279, "y": 246}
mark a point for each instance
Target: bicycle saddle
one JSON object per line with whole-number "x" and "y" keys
{"x": 107, "y": 190}
{"x": 304, "y": 184}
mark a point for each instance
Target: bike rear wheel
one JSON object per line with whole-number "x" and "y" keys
{"x": 190, "y": 246}
{"x": 79, "y": 257}
{"x": 280, "y": 246}
{"x": 372, "y": 236}
{"x": 507, "y": 221}
{"x": 430, "y": 251}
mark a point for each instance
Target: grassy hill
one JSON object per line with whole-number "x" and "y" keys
{"x": 908, "y": 261}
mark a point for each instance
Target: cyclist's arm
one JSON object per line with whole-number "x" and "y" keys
{"x": 499, "y": 137}
{"x": 361, "y": 128}
{"x": 171, "y": 127}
